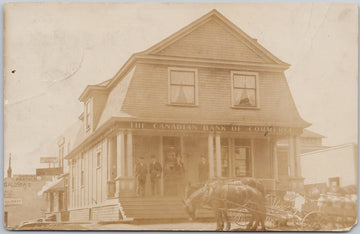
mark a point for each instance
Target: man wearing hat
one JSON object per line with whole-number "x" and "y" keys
{"x": 155, "y": 170}
{"x": 141, "y": 171}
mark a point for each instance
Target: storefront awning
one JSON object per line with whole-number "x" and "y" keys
{"x": 55, "y": 185}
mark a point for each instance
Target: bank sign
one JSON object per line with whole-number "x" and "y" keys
{"x": 272, "y": 130}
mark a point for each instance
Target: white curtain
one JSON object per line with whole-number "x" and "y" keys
{"x": 182, "y": 94}
{"x": 244, "y": 97}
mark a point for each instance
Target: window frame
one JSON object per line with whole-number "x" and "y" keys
{"x": 88, "y": 125}
{"x": 196, "y": 87}
{"x": 257, "y": 90}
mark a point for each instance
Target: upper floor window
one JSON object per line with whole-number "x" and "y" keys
{"x": 245, "y": 89}
{"x": 88, "y": 115}
{"x": 183, "y": 86}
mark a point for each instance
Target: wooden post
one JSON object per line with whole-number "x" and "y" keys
{"x": 211, "y": 155}
{"x": 291, "y": 156}
{"x": 276, "y": 165}
{"x": 162, "y": 163}
{"x": 252, "y": 157}
{"x": 297, "y": 156}
{"x": 218, "y": 155}
{"x": 129, "y": 155}
{"x": 120, "y": 154}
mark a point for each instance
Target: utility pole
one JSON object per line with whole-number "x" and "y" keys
{"x": 9, "y": 170}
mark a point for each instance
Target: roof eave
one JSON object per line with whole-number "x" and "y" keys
{"x": 89, "y": 89}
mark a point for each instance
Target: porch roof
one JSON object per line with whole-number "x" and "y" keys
{"x": 55, "y": 185}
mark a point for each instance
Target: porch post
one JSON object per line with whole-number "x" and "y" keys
{"x": 291, "y": 156}
{"x": 211, "y": 155}
{"x": 161, "y": 161}
{"x": 120, "y": 156}
{"x": 252, "y": 148}
{"x": 297, "y": 155}
{"x": 218, "y": 155}
{"x": 276, "y": 169}
{"x": 129, "y": 155}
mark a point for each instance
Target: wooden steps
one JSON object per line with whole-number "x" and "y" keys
{"x": 158, "y": 208}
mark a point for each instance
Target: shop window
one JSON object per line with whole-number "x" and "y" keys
{"x": 245, "y": 91}
{"x": 183, "y": 86}
{"x": 242, "y": 158}
{"x": 225, "y": 165}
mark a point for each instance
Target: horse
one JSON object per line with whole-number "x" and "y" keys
{"x": 247, "y": 192}
{"x": 236, "y": 195}
{"x": 194, "y": 198}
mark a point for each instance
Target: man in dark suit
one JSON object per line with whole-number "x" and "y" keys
{"x": 155, "y": 170}
{"x": 141, "y": 171}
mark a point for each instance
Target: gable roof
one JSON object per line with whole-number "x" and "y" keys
{"x": 228, "y": 27}
{"x": 264, "y": 57}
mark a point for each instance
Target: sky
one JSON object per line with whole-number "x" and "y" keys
{"x": 54, "y": 50}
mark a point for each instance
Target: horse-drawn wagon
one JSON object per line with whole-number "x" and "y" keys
{"x": 297, "y": 212}
{"x": 245, "y": 204}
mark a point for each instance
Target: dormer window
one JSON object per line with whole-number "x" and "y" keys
{"x": 245, "y": 89}
{"x": 183, "y": 86}
{"x": 88, "y": 115}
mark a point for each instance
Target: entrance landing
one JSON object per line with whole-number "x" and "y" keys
{"x": 141, "y": 208}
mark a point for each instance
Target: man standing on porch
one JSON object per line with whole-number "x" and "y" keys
{"x": 141, "y": 171}
{"x": 155, "y": 170}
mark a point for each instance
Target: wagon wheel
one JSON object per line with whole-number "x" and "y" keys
{"x": 313, "y": 221}
{"x": 274, "y": 212}
{"x": 241, "y": 218}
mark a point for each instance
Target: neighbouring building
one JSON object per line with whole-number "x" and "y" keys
{"x": 207, "y": 90}
{"x": 56, "y": 190}
{"x": 21, "y": 203}
{"x": 338, "y": 166}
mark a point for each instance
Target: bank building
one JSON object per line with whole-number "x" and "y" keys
{"x": 207, "y": 90}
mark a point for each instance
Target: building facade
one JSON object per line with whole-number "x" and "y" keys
{"x": 207, "y": 90}
{"x": 340, "y": 170}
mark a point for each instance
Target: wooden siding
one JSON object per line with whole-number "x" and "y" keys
{"x": 79, "y": 215}
{"x": 106, "y": 213}
{"x": 147, "y": 97}
{"x": 213, "y": 40}
{"x": 93, "y": 192}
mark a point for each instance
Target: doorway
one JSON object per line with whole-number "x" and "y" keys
{"x": 172, "y": 170}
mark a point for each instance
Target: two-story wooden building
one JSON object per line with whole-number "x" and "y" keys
{"x": 207, "y": 90}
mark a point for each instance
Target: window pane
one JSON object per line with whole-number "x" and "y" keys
{"x": 183, "y": 77}
{"x": 244, "y": 97}
{"x": 242, "y": 81}
{"x": 182, "y": 94}
{"x": 241, "y": 162}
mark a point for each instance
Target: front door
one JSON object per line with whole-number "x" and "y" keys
{"x": 172, "y": 179}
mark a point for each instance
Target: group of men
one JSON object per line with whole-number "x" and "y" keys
{"x": 174, "y": 174}
{"x": 141, "y": 171}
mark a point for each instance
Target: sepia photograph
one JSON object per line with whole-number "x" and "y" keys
{"x": 181, "y": 116}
